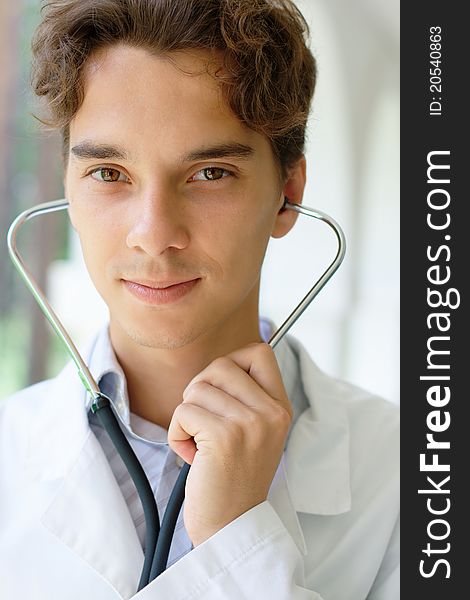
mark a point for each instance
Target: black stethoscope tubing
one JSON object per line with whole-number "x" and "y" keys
{"x": 158, "y": 537}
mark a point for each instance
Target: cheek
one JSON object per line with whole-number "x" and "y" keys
{"x": 99, "y": 241}
{"x": 256, "y": 226}
{"x": 242, "y": 242}
{"x": 95, "y": 254}
{"x": 94, "y": 221}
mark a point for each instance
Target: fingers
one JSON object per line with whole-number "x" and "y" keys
{"x": 240, "y": 392}
{"x": 250, "y": 374}
{"x": 190, "y": 421}
{"x": 231, "y": 428}
{"x": 215, "y": 400}
{"x": 207, "y": 418}
{"x": 259, "y": 361}
{"x": 226, "y": 375}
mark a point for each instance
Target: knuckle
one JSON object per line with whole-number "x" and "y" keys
{"x": 182, "y": 411}
{"x": 264, "y": 349}
{"x": 234, "y": 432}
{"x": 267, "y": 349}
{"x": 194, "y": 391}
{"x": 281, "y": 416}
{"x": 178, "y": 410}
{"x": 255, "y": 424}
{"x": 222, "y": 362}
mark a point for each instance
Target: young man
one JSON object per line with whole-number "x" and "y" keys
{"x": 183, "y": 125}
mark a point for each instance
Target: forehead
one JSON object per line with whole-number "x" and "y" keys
{"x": 141, "y": 98}
{"x": 132, "y": 68}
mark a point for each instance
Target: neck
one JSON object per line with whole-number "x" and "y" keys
{"x": 156, "y": 378}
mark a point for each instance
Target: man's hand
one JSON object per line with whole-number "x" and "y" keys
{"x": 231, "y": 428}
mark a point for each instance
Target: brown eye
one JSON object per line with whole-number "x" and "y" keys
{"x": 108, "y": 175}
{"x": 213, "y": 173}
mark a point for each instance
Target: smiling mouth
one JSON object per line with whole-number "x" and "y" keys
{"x": 161, "y": 292}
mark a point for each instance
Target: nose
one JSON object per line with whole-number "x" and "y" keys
{"x": 158, "y": 224}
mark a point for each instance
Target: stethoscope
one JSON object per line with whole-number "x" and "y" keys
{"x": 158, "y": 537}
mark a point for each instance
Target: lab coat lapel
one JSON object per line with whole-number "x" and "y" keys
{"x": 317, "y": 455}
{"x": 88, "y": 512}
{"x": 280, "y": 499}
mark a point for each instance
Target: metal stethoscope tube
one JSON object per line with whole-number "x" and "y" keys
{"x": 158, "y": 537}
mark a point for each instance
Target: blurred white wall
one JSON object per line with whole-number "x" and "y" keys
{"x": 352, "y": 328}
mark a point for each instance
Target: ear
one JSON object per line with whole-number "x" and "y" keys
{"x": 293, "y": 190}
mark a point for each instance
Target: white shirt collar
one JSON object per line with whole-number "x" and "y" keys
{"x": 109, "y": 374}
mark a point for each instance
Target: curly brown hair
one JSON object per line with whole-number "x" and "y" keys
{"x": 268, "y": 75}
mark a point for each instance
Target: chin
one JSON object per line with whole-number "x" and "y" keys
{"x": 161, "y": 338}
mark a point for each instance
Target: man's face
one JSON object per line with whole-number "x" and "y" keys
{"x": 156, "y": 200}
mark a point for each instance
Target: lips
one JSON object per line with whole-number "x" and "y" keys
{"x": 160, "y": 285}
{"x": 160, "y": 292}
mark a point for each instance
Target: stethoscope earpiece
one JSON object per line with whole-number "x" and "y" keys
{"x": 285, "y": 205}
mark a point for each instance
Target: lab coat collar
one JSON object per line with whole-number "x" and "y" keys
{"x": 317, "y": 455}
{"x": 317, "y": 452}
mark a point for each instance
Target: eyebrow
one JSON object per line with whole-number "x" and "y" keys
{"x": 91, "y": 150}
{"x": 233, "y": 150}
{"x": 88, "y": 150}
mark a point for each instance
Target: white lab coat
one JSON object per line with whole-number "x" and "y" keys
{"x": 329, "y": 528}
